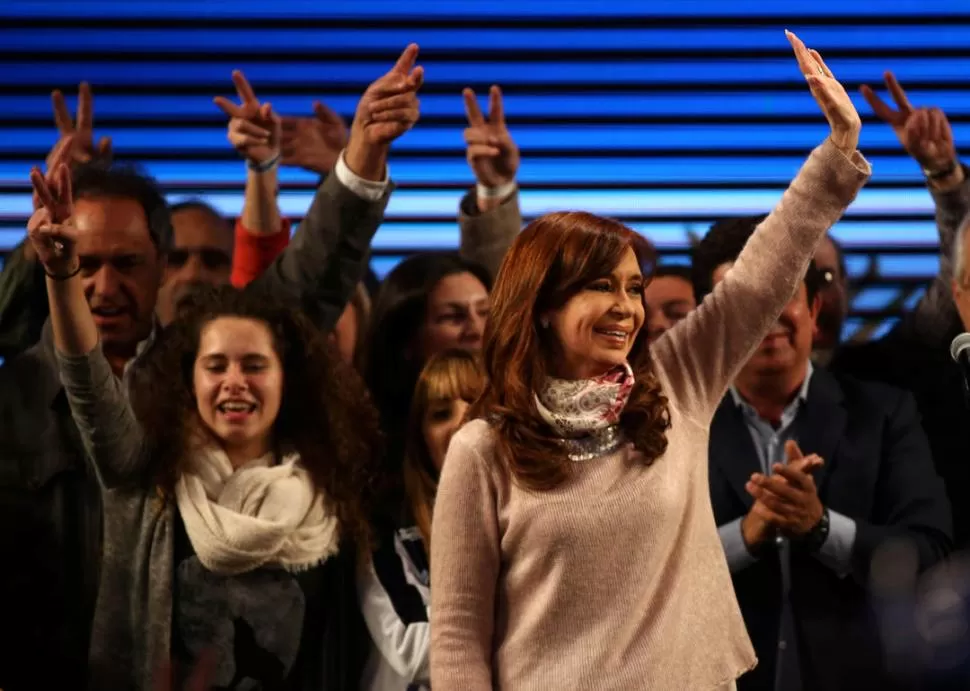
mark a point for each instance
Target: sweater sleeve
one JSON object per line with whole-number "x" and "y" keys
{"x": 465, "y": 561}
{"x": 486, "y": 237}
{"x": 110, "y": 433}
{"x": 253, "y": 252}
{"x": 702, "y": 354}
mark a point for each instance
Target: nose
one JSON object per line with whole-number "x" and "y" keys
{"x": 106, "y": 281}
{"x": 234, "y": 380}
{"x": 476, "y": 326}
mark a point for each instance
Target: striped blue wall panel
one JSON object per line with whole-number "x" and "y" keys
{"x": 666, "y": 115}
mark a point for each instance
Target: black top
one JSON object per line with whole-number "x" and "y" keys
{"x": 269, "y": 629}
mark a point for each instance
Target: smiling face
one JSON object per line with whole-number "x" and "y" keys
{"x": 596, "y": 328}
{"x": 120, "y": 269}
{"x": 787, "y": 347}
{"x": 455, "y": 316}
{"x": 238, "y": 383}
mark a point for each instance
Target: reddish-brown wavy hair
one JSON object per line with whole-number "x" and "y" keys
{"x": 551, "y": 260}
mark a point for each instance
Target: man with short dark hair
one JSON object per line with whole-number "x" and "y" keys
{"x": 201, "y": 254}
{"x": 810, "y": 474}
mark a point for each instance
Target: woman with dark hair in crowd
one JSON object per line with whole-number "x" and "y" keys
{"x": 394, "y": 589}
{"x": 430, "y": 302}
{"x": 574, "y": 544}
{"x": 231, "y": 484}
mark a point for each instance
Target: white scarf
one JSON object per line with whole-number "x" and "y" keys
{"x": 260, "y": 514}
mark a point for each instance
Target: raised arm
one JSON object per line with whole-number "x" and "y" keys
{"x": 255, "y": 133}
{"x": 465, "y": 564}
{"x": 23, "y": 299}
{"x": 926, "y": 135}
{"x": 702, "y": 354}
{"x": 328, "y": 255}
{"x": 109, "y": 431}
{"x": 489, "y": 216}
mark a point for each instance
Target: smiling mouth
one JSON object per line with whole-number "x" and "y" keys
{"x": 108, "y": 312}
{"x": 236, "y": 407}
{"x": 613, "y": 333}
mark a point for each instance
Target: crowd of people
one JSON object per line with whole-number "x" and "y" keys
{"x": 231, "y": 459}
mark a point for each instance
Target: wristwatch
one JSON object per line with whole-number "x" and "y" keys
{"x": 813, "y": 540}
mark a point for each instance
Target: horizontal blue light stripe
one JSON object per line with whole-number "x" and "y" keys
{"x": 668, "y": 237}
{"x": 901, "y": 266}
{"x": 875, "y": 298}
{"x": 528, "y": 137}
{"x": 687, "y": 203}
{"x": 736, "y": 71}
{"x": 592, "y": 104}
{"x": 538, "y": 171}
{"x": 348, "y": 40}
{"x": 211, "y": 9}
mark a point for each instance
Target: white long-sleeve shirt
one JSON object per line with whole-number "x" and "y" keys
{"x": 394, "y": 599}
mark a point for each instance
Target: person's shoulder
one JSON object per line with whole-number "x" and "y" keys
{"x": 870, "y": 394}
{"x": 477, "y": 435}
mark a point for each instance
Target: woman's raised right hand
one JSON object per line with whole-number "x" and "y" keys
{"x": 830, "y": 95}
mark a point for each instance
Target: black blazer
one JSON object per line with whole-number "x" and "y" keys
{"x": 878, "y": 471}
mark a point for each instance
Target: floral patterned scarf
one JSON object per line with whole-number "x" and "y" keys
{"x": 579, "y": 407}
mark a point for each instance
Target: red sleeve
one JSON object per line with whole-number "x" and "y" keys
{"x": 254, "y": 253}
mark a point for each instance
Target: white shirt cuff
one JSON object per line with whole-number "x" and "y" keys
{"x": 365, "y": 189}
{"x": 500, "y": 192}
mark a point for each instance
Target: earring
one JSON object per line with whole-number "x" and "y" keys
{"x": 544, "y": 323}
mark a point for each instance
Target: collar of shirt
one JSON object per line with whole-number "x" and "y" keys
{"x": 790, "y": 410}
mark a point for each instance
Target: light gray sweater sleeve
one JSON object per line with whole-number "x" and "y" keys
{"x": 111, "y": 434}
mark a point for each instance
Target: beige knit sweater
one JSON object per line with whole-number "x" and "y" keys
{"x": 617, "y": 579}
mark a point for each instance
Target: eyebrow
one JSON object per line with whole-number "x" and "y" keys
{"x": 476, "y": 301}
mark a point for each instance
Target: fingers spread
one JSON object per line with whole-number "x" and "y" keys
{"x": 62, "y": 116}
{"x": 85, "y": 108}
{"x": 898, "y": 94}
{"x": 496, "y": 111}
{"x": 879, "y": 107}
{"x": 42, "y": 189}
{"x": 228, "y": 107}
{"x": 405, "y": 63}
{"x": 472, "y": 111}
{"x": 245, "y": 91}
{"x": 247, "y": 127}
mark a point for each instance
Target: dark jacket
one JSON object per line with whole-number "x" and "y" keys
{"x": 23, "y": 303}
{"x": 50, "y": 506}
{"x": 878, "y": 472}
{"x": 908, "y": 359}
